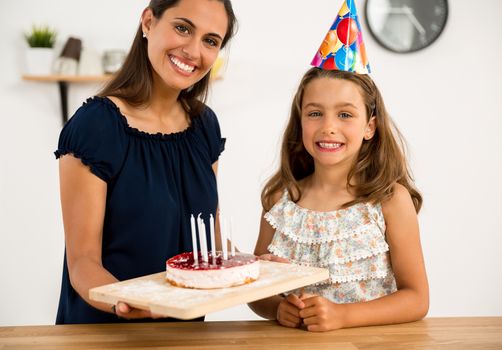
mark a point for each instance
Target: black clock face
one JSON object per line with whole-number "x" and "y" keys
{"x": 406, "y": 25}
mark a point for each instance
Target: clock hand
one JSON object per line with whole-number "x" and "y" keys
{"x": 409, "y": 12}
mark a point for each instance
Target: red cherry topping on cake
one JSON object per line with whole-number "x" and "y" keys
{"x": 185, "y": 261}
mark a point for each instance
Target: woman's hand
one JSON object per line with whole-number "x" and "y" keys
{"x": 288, "y": 311}
{"x": 123, "y": 310}
{"x": 319, "y": 314}
{"x": 274, "y": 258}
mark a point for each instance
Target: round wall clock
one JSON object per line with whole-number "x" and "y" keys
{"x": 406, "y": 25}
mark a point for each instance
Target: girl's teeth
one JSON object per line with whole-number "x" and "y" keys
{"x": 329, "y": 145}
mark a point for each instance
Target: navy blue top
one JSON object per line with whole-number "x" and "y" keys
{"x": 154, "y": 182}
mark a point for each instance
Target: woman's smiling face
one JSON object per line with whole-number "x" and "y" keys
{"x": 184, "y": 42}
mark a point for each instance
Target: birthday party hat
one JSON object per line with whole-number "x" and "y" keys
{"x": 343, "y": 47}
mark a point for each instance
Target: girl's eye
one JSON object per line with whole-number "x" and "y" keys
{"x": 182, "y": 29}
{"x": 314, "y": 114}
{"x": 345, "y": 115}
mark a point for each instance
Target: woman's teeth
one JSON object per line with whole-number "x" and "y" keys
{"x": 184, "y": 67}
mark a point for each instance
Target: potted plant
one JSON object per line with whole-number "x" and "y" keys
{"x": 40, "y": 54}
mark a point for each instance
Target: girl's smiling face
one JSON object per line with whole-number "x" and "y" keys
{"x": 334, "y": 121}
{"x": 184, "y": 42}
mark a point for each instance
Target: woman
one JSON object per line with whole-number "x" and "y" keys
{"x": 139, "y": 158}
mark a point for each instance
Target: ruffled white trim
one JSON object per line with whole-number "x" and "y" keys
{"x": 340, "y": 273}
{"x": 333, "y": 236}
{"x": 352, "y": 291}
{"x": 349, "y": 242}
{"x": 307, "y": 226}
{"x": 354, "y": 278}
{"x": 316, "y": 261}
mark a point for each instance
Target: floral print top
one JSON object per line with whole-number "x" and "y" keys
{"x": 350, "y": 242}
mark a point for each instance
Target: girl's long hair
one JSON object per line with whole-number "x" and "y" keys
{"x": 133, "y": 83}
{"x": 381, "y": 161}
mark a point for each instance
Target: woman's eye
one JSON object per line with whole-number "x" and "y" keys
{"x": 212, "y": 42}
{"x": 182, "y": 29}
{"x": 345, "y": 115}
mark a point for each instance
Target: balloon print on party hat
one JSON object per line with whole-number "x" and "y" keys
{"x": 343, "y": 47}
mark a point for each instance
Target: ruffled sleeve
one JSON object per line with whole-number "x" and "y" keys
{"x": 95, "y": 134}
{"x": 212, "y": 134}
{"x": 349, "y": 242}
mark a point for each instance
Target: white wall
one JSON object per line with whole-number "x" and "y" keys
{"x": 445, "y": 99}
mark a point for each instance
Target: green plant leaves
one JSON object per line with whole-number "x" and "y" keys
{"x": 41, "y": 36}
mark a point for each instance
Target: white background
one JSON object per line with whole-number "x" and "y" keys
{"x": 446, "y": 100}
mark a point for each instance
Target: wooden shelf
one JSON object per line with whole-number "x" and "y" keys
{"x": 68, "y": 78}
{"x": 63, "y": 81}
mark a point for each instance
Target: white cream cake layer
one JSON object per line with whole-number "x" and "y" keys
{"x": 210, "y": 279}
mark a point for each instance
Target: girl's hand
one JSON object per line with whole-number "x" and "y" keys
{"x": 123, "y": 310}
{"x": 274, "y": 258}
{"x": 288, "y": 311}
{"x": 320, "y": 314}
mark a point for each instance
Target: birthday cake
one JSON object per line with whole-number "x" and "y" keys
{"x": 183, "y": 271}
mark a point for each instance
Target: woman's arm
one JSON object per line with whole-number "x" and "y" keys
{"x": 411, "y": 300}
{"x": 83, "y": 200}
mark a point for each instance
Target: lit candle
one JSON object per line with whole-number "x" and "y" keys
{"x": 223, "y": 232}
{"x": 194, "y": 241}
{"x": 232, "y": 237}
{"x": 202, "y": 238}
{"x": 213, "y": 241}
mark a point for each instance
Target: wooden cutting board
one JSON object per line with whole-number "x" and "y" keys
{"x": 153, "y": 293}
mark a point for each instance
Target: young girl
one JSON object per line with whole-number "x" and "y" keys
{"x": 344, "y": 199}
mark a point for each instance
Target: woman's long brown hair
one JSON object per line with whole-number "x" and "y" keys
{"x": 381, "y": 161}
{"x": 134, "y": 81}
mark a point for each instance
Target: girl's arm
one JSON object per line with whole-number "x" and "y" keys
{"x": 411, "y": 300}
{"x": 83, "y": 200}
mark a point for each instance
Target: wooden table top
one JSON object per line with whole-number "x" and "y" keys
{"x": 431, "y": 333}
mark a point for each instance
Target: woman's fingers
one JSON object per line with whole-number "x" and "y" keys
{"x": 125, "y": 311}
{"x": 123, "y": 308}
